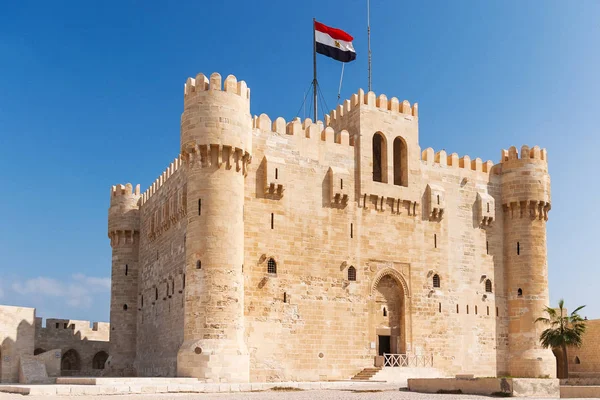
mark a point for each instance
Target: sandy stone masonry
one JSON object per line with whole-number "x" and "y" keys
{"x": 273, "y": 250}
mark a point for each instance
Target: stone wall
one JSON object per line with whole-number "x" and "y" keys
{"x": 586, "y": 359}
{"x": 17, "y": 333}
{"x": 161, "y": 285}
{"x": 83, "y": 345}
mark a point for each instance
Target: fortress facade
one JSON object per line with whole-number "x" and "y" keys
{"x": 278, "y": 251}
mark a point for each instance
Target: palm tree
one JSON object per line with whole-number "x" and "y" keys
{"x": 565, "y": 330}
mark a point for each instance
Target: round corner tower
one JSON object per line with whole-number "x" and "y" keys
{"x": 216, "y": 142}
{"x": 526, "y": 203}
{"x": 123, "y": 231}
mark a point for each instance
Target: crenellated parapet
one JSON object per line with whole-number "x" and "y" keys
{"x": 161, "y": 180}
{"x": 123, "y": 214}
{"x": 306, "y": 129}
{"x": 215, "y": 124}
{"x": 442, "y": 159}
{"x": 525, "y": 183}
{"x": 338, "y": 118}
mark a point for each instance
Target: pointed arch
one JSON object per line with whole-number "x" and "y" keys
{"x": 395, "y": 275}
{"x": 379, "y": 154}
{"x": 400, "y": 162}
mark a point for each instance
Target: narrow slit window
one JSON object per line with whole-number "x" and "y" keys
{"x": 457, "y": 310}
{"x": 518, "y": 248}
{"x": 438, "y": 199}
{"x": 488, "y": 310}
{"x": 520, "y": 292}
{"x": 341, "y": 184}
{"x": 487, "y": 247}
{"x": 272, "y": 220}
{"x": 384, "y": 312}
{"x": 351, "y": 230}
{"x": 497, "y": 313}
{"x": 142, "y": 301}
{"x": 126, "y": 269}
{"x": 467, "y": 308}
{"x": 155, "y": 293}
{"x": 199, "y": 206}
{"x": 488, "y": 207}
{"x": 284, "y": 297}
{"x": 183, "y": 286}
{"x": 198, "y": 264}
{"x": 439, "y": 307}
{"x": 435, "y": 240}
{"x": 475, "y": 310}
{"x": 276, "y": 173}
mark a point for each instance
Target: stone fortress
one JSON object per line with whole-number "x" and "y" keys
{"x": 61, "y": 348}
{"x": 283, "y": 251}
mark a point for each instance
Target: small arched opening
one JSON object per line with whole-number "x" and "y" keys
{"x": 379, "y": 158}
{"x": 352, "y": 273}
{"x": 271, "y": 266}
{"x": 400, "y": 162}
{"x": 70, "y": 362}
{"x": 99, "y": 360}
{"x": 488, "y": 286}
{"x": 577, "y": 360}
{"x": 436, "y": 281}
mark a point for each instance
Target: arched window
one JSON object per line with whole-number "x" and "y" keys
{"x": 271, "y": 266}
{"x": 436, "y": 281}
{"x": 577, "y": 360}
{"x": 520, "y": 292}
{"x": 99, "y": 360}
{"x": 124, "y": 307}
{"x": 384, "y": 312}
{"x": 351, "y": 273}
{"x": 488, "y": 286}
{"x": 379, "y": 158}
{"x": 400, "y": 162}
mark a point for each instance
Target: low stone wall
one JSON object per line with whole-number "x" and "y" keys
{"x": 517, "y": 387}
{"x": 580, "y": 392}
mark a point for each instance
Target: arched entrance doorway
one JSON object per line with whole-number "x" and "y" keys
{"x": 388, "y": 313}
{"x": 99, "y": 360}
{"x": 70, "y": 363}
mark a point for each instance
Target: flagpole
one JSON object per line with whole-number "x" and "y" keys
{"x": 369, "y": 38}
{"x": 314, "y": 70}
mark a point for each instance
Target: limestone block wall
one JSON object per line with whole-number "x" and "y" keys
{"x": 17, "y": 334}
{"x": 80, "y": 341}
{"x": 160, "y": 298}
{"x": 587, "y": 357}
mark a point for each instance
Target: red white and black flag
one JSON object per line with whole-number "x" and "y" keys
{"x": 334, "y": 43}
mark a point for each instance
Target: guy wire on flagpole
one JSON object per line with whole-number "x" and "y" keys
{"x": 369, "y": 38}
{"x": 315, "y": 69}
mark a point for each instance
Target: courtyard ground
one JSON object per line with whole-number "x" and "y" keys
{"x": 271, "y": 395}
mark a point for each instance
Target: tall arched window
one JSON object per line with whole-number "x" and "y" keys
{"x": 436, "y": 281}
{"x": 271, "y": 266}
{"x": 488, "y": 286}
{"x": 400, "y": 162}
{"x": 351, "y": 273}
{"x": 379, "y": 158}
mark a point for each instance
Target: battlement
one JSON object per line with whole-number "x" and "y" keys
{"x": 157, "y": 184}
{"x": 124, "y": 190}
{"x": 370, "y": 99}
{"x": 83, "y": 329}
{"x": 201, "y": 83}
{"x": 534, "y": 153}
{"x": 307, "y": 129}
{"x": 453, "y": 161}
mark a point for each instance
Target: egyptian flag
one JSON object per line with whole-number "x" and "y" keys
{"x": 334, "y": 43}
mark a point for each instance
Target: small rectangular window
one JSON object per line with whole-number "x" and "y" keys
{"x": 65, "y": 325}
{"x": 57, "y": 325}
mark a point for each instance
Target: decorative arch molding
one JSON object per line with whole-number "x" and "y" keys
{"x": 394, "y": 274}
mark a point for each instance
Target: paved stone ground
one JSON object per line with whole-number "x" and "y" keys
{"x": 272, "y": 395}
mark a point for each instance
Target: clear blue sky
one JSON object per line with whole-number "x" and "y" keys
{"x": 91, "y": 95}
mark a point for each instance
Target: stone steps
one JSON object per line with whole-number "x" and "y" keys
{"x": 366, "y": 374}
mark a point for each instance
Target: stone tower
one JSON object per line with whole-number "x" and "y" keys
{"x": 123, "y": 231}
{"x": 526, "y": 203}
{"x": 216, "y": 141}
